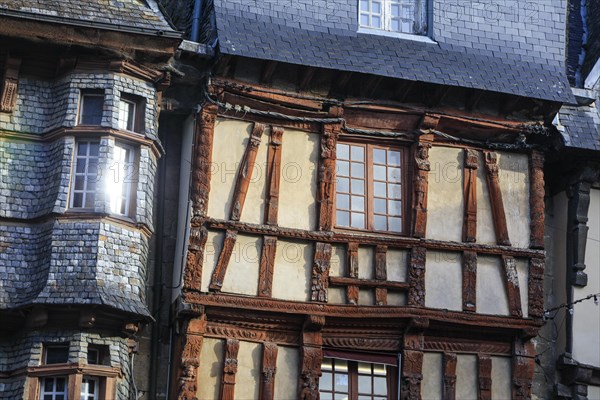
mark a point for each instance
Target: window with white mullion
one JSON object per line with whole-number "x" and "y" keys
{"x": 127, "y": 114}
{"x": 54, "y": 388}
{"x": 350, "y": 188}
{"x": 85, "y": 176}
{"x": 119, "y": 182}
{"x": 371, "y": 13}
{"x": 391, "y": 15}
{"x": 89, "y": 388}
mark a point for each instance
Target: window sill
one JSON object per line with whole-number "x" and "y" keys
{"x": 398, "y": 35}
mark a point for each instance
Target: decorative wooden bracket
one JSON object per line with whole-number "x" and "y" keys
{"x": 449, "y": 376}
{"x": 216, "y": 282}
{"x": 205, "y": 129}
{"x": 327, "y": 175}
{"x": 311, "y": 356}
{"x": 422, "y": 168}
{"x": 229, "y": 369}
{"x": 267, "y": 263}
{"x": 320, "y": 272}
{"x": 412, "y": 369}
{"x": 511, "y": 281}
{"x": 416, "y": 277}
{"x": 269, "y": 368}
{"x": 381, "y": 274}
{"x": 536, "y": 288}
{"x": 491, "y": 166}
{"x": 192, "y": 278}
{"x": 245, "y": 172}
{"x": 10, "y": 83}
{"x": 190, "y": 358}
{"x": 352, "y": 291}
{"x": 469, "y": 290}
{"x": 536, "y": 200}
{"x": 470, "y": 196}
{"x": 523, "y": 367}
{"x": 485, "y": 377}
{"x": 273, "y": 175}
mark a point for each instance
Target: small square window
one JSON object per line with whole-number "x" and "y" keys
{"x": 91, "y": 107}
{"x": 98, "y": 355}
{"x": 131, "y": 113}
{"x": 56, "y": 354}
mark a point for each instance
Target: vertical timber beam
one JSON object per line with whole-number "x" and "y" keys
{"x": 10, "y": 82}
{"x": 536, "y": 288}
{"x": 523, "y": 367}
{"x": 269, "y": 368}
{"x": 311, "y": 355}
{"x": 491, "y": 166}
{"x": 352, "y": 291}
{"x": 469, "y": 287}
{"x": 232, "y": 347}
{"x": 484, "y": 364}
{"x": 267, "y": 263}
{"x": 320, "y": 272}
{"x": 422, "y": 167}
{"x": 245, "y": 172}
{"x": 416, "y": 277}
{"x": 190, "y": 358}
{"x": 205, "y": 129}
{"x": 449, "y": 376}
{"x": 216, "y": 282}
{"x": 470, "y": 196}
{"x": 327, "y": 175}
{"x": 511, "y": 282}
{"x": 536, "y": 200}
{"x": 192, "y": 279}
{"x": 412, "y": 364}
{"x": 381, "y": 274}
{"x": 273, "y": 175}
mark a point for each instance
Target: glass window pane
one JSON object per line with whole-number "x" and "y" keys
{"x": 394, "y": 174}
{"x": 92, "y": 387}
{"x": 379, "y": 156}
{"x": 59, "y": 397}
{"x": 395, "y": 26}
{"x": 380, "y": 222}
{"x": 358, "y": 153}
{"x": 364, "y": 19}
{"x": 379, "y": 385}
{"x": 60, "y": 384}
{"x": 379, "y": 206}
{"x": 364, "y": 5}
{"x": 82, "y": 149}
{"x": 48, "y": 397}
{"x": 91, "y": 110}
{"x": 364, "y": 368}
{"x": 364, "y": 384}
{"x": 343, "y": 168}
{"x": 376, "y": 22}
{"x": 78, "y": 200}
{"x": 325, "y": 381}
{"x": 393, "y": 158}
{"x": 407, "y": 12}
{"x": 94, "y": 147}
{"x": 376, "y": 7}
{"x": 394, "y": 191}
{"x": 343, "y": 185}
{"x": 379, "y": 172}
{"x": 342, "y": 201}
{"x": 395, "y": 224}
{"x": 48, "y": 384}
{"x": 379, "y": 369}
{"x": 407, "y": 26}
{"x": 358, "y": 220}
{"x": 358, "y": 170}
{"x": 379, "y": 189}
{"x": 79, "y": 181}
{"x": 89, "y": 200}
{"x": 358, "y": 203}
{"x": 341, "y": 383}
{"x": 80, "y": 167}
{"x": 394, "y": 207}
{"x": 343, "y": 151}
{"x": 340, "y": 396}
{"x": 342, "y": 218}
{"x": 326, "y": 364}
{"x": 341, "y": 365}
{"x": 364, "y": 397}
{"x": 358, "y": 186}
{"x": 395, "y": 10}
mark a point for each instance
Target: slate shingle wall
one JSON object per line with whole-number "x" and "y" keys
{"x": 582, "y": 126}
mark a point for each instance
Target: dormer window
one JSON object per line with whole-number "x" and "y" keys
{"x": 398, "y": 16}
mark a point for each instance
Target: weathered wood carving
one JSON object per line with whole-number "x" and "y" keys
{"x": 485, "y": 377}
{"x": 367, "y": 283}
{"x": 245, "y": 172}
{"x": 536, "y": 287}
{"x": 454, "y": 346}
{"x": 491, "y": 166}
{"x": 205, "y": 128}
{"x": 536, "y": 200}
{"x": 412, "y": 368}
{"x": 449, "y": 376}
{"x": 311, "y": 357}
{"x": 269, "y": 368}
{"x": 363, "y": 343}
{"x": 267, "y": 263}
{"x": 225, "y": 331}
{"x": 327, "y": 175}
{"x": 192, "y": 278}
{"x": 10, "y": 82}
{"x": 320, "y": 272}
{"x": 470, "y": 195}
{"x": 416, "y": 277}
{"x": 216, "y": 282}
{"x": 190, "y": 359}
{"x": 352, "y": 291}
{"x": 381, "y": 274}
{"x": 511, "y": 281}
{"x": 422, "y": 167}
{"x": 230, "y": 369}
{"x": 523, "y": 367}
{"x": 273, "y": 175}
{"x": 469, "y": 287}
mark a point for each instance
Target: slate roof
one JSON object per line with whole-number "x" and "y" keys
{"x": 129, "y": 15}
{"x": 582, "y": 126}
{"x": 255, "y": 35}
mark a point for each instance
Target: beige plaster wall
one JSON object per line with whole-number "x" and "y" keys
{"x": 366, "y": 262}
{"x": 491, "y": 291}
{"x": 445, "y": 194}
{"x": 286, "y": 378}
{"x": 501, "y": 378}
{"x": 443, "y": 280}
{"x": 298, "y": 184}
{"x": 247, "y": 377}
{"x": 242, "y": 271}
{"x": 586, "y": 316}
{"x": 337, "y": 295}
{"x": 523, "y": 275}
{"x": 293, "y": 268}
{"x": 210, "y": 371}
{"x": 396, "y": 262}
{"x": 431, "y": 385}
{"x": 514, "y": 184}
{"x": 466, "y": 376}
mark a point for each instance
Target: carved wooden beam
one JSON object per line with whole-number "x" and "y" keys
{"x": 245, "y": 172}
{"x": 190, "y": 358}
{"x": 306, "y": 77}
{"x": 192, "y": 278}
{"x": 536, "y": 288}
{"x": 469, "y": 288}
{"x": 422, "y": 168}
{"x": 327, "y": 176}
{"x": 368, "y": 283}
{"x": 484, "y": 364}
{"x": 416, "y": 277}
{"x": 523, "y": 368}
{"x": 311, "y": 355}
{"x": 381, "y": 274}
{"x": 229, "y": 369}
{"x": 269, "y": 368}
{"x": 511, "y": 281}
{"x": 216, "y": 282}
{"x": 470, "y": 196}
{"x": 273, "y": 175}
{"x": 268, "y": 70}
{"x": 267, "y": 263}
{"x": 320, "y": 272}
{"x": 412, "y": 368}
{"x": 10, "y": 82}
{"x": 491, "y": 166}
{"x": 352, "y": 291}
{"x": 536, "y": 199}
{"x": 449, "y": 376}
{"x": 205, "y": 128}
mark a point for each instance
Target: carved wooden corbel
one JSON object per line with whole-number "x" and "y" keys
{"x": 269, "y": 368}
{"x": 320, "y": 272}
{"x": 523, "y": 367}
{"x": 216, "y": 282}
{"x": 536, "y": 288}
{"x": 327, "y": 175}
{"x": 422, "y": 167}
{"x": 536, "y": 200}
{"x": 205, "y": 128}
{"x": 469, "y": 288}
{"x": 449, "y": 376}
{"x": 10, "y": 83}
{"x": 311, "y": 356}
{"x": 230, "y": 369}
{"x": 352, "y": 292}
{"x": 273, "y": 175}
{"x": 470, "y": 195}
{"x": 416, "y": 277}
{"x": 193, "y": 337}
{"x": 491, "y": 166}
{"x": 267, "y": 263}
{"x": 381, "y": 274}
{"x": 412, "y": 368}
{"x": 484, "y": 364}
{"x": 245, "y": 172}
{"x": 511, "y": 282}
{"x": 192, "y": 279}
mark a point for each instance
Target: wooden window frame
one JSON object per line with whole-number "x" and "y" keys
{"x": 369, "y": 187}
{"x": 139, "y": 111}
{"x": 85, "y": 174}
{"x": 74, "y": 373}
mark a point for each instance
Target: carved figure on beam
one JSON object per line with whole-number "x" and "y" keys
{"x": 327, "y": 176}
{"x": 205, "y": 128}
{"x": 422, "y": 167}
{"x": 491, "y": 166}
{"x": 470, "y": 196}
